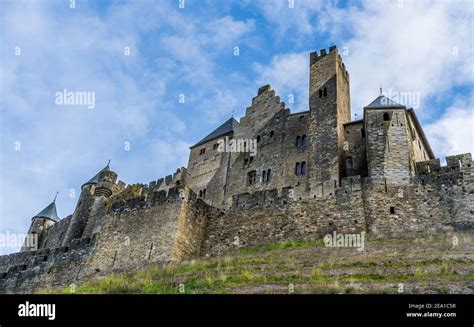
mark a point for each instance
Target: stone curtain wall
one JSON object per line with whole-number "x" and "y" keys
{"x": 439, "y": 200}
{"x": 428, "y": 204}
{"x": 55, "y": 234}
{"x": 26, "y": 272}
{"x": 191, "y": 227}
{"x": 158, "y": 228}
{"x": 137, "y": 232}
{"x": 264, "y": 217}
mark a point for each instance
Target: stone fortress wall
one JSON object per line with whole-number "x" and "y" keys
{"x": 376, "y": 175}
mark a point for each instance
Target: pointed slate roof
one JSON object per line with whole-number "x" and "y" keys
{"x": 95, "y": 179}
{"x": 49, "y": 212}
{"x": 383, "y": 102}
{"x": 227, "y": 127}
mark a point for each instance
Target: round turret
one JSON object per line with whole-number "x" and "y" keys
{"x": 93, "y": 192}
{"x": 39, "y": 224}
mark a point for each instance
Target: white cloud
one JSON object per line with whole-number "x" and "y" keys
{"x": 288, "y": 75}
{"x": 409, "y": 49}
{"x": 226, "y": 31}
{"x": 453, "y": 133}
{"x": 297, "y": 20}
{"x": 422, "y": 46}
{"x": 219, "y": 104}
{"x": 403, "y": 49}
{"x": 83, "y": 49}
{"x": 61, "y": 146}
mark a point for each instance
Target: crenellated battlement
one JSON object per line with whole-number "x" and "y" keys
{"x": 146, "y": 199}
{"x": 461, "y": 162}
{"x": 312, "y": 173}
{"x": 289, "y": 194}
{"x": 32, "y": 268}
{"x": 139, "y": 196}
{"x": 173, "y": 180}
{"x": 315, "y": 56}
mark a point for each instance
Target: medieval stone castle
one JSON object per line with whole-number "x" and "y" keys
{"x": 311, "y": 173}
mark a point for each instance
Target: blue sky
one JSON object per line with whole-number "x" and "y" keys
{"x": 420, "y": 47}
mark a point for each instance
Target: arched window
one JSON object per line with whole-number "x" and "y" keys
{"x": 264, "y": 176}
{"x": 303, "y": 168}
{"x": 204, "y": 193}
{"x": 200, "y": 193}
{"x": 304, "y": 140}
{"x": 386, "y": 116}
{"x": 269, "y": 175}
{"x": 349, "y": 163}
{"x": 320, "y": 93}
{"x": 258, "y": 138}
{"x": 325, "y": 92}
{"x": 298, "y": 140}
{"x": 297, "y": 168}
{"x": 272, "y": 133}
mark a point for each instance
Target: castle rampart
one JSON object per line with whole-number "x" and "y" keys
{"x": 313, "y": 173}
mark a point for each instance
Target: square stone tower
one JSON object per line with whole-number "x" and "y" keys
{"x": 393, "y": 146}
{"x": 329, "y": 104}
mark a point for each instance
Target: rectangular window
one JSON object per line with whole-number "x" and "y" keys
{"x": 251, "y": 177}
{"x": 202, "y": 151}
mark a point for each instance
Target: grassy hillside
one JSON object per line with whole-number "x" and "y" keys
{"x": 418, "y": 265}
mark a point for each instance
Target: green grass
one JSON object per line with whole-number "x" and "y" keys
{"x": 284, "y": 245}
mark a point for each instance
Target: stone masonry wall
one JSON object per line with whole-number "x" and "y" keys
{"x": 156, "y": 228}
{"x": 387, "y": 192}
{"x": 26, "y": 272}
{"x": 137, "y": 232}
{"x": 438, "y": 201}
{"x": 355, "y": 149}
{"x": 388, "y": 151}
{"x": 55, "y": 234}
{"x": 134, "y": 232}
{"x": 265, "y": 217}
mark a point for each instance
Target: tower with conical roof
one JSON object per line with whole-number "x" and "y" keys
{"x": 89, "y": 205}
{"x": 39, "y": 225}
